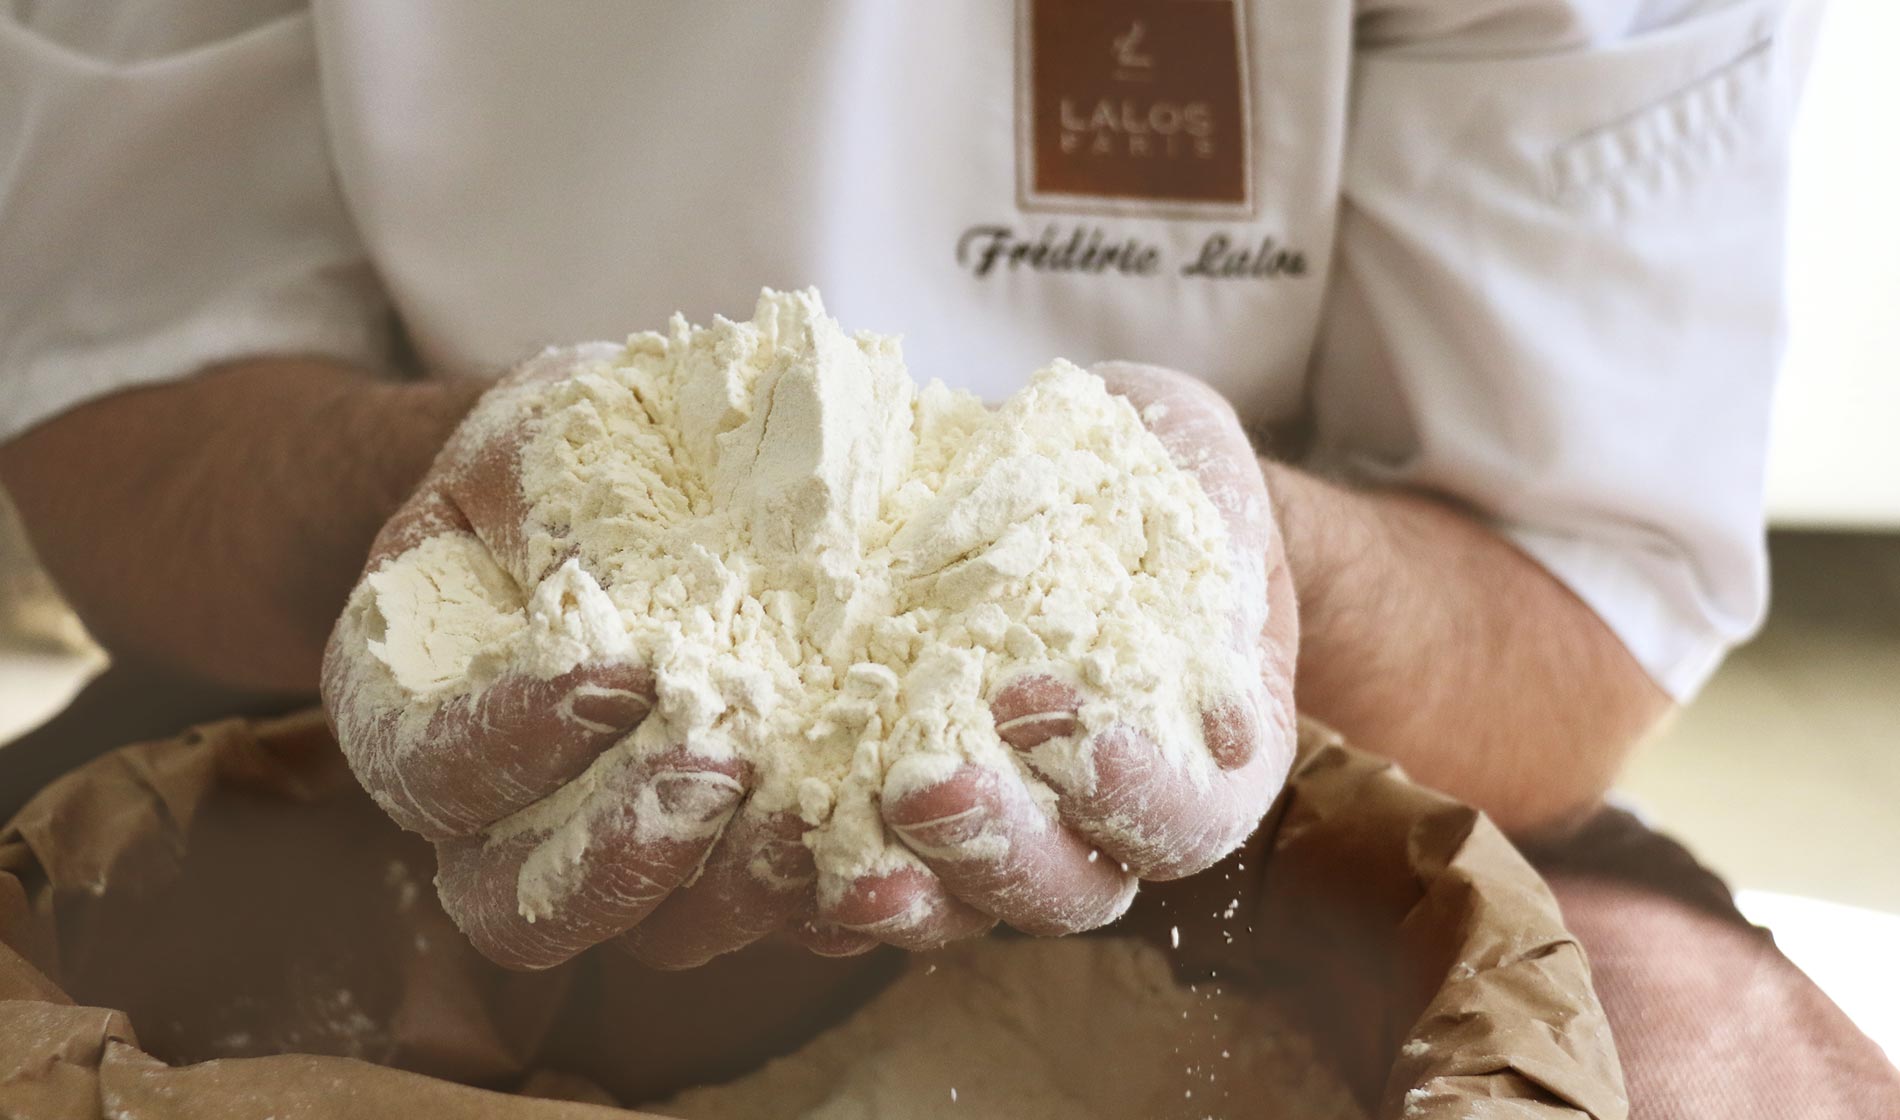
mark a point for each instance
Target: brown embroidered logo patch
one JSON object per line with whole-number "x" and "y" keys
{"x": 1133, "y": 105}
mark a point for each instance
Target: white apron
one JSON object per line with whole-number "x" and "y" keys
{"x": 1525, "y": 253}
{"x": 1003, "y": 184}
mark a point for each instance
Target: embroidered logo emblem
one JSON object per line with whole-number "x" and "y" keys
{"x": 1133, "y": 106}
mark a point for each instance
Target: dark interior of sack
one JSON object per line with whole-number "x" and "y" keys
{"x": 301, "y": 920}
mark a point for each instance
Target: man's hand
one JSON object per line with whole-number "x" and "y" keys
{"x": 485, "y": 753}
{"x": 475, "y": 758}
{"x": 1138, "y": 818}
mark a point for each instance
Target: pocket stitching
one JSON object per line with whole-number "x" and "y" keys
{"x": 1688, "y": 130}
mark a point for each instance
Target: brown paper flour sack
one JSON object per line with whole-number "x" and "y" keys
{"x": 232, "y": 895}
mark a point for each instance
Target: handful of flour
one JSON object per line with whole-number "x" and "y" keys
{"x": 829, "y": 571}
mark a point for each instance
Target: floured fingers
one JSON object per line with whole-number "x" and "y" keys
{"x": 533, "y": 899}
{"x": 1163, "y": 817}
{"x": 986, "y": 840}
{"x": 482, "y": 754}
{"x": 906, "y": 906}
{"x": 758, "y": 878}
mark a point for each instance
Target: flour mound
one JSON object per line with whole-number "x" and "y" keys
{"x": 1073, "y": 1029}
{"x": 830, "y": 571}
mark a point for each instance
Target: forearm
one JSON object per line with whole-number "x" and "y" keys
{"x": 215, "y": 524}
{"x": 1428, "y": 638}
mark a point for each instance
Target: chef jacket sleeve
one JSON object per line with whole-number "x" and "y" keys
{"x": 166, "y": 200}
{"x": 1558, "y": 293}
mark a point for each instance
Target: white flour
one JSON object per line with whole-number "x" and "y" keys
{"x": 830, "y": 571}
{"x": 1074, "y": 1029}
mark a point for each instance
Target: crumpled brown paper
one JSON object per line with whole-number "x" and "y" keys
{"x": 222, "y": 925}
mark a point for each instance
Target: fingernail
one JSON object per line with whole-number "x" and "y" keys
{"x": 943, "y": 808}
{"x": 1232, "y": 732}
{"x": 950, "y": 830}
{"x": 1035, "y": 709}
{"x": 1033, "y": 730}
{"x": 604, "y": 710}
{"x": 962, "y": 835}
{"x": 699, "y": 796}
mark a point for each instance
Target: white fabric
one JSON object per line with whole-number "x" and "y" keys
{"x": 1573, "y": 322}
{"x": 1540, "y": 239}
{"x": 166, "y": 201}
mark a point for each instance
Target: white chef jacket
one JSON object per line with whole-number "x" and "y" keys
{"x": 1526, "y": 253}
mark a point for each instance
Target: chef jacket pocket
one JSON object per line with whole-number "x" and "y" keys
{"x": 1669, "y": 145}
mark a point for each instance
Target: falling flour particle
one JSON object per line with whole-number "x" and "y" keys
{"x": 830, "y": 571}
{"x": 1051, "y": 1030}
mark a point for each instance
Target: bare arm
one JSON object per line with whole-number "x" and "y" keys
{"x": 1428, "y": 638}
{"x": 215, "y": 524}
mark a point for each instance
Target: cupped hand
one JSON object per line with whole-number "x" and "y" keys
{"x": 675, "y": 863}
{"x": 1134, "y": 816}
{"x": 455, "y": 765}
